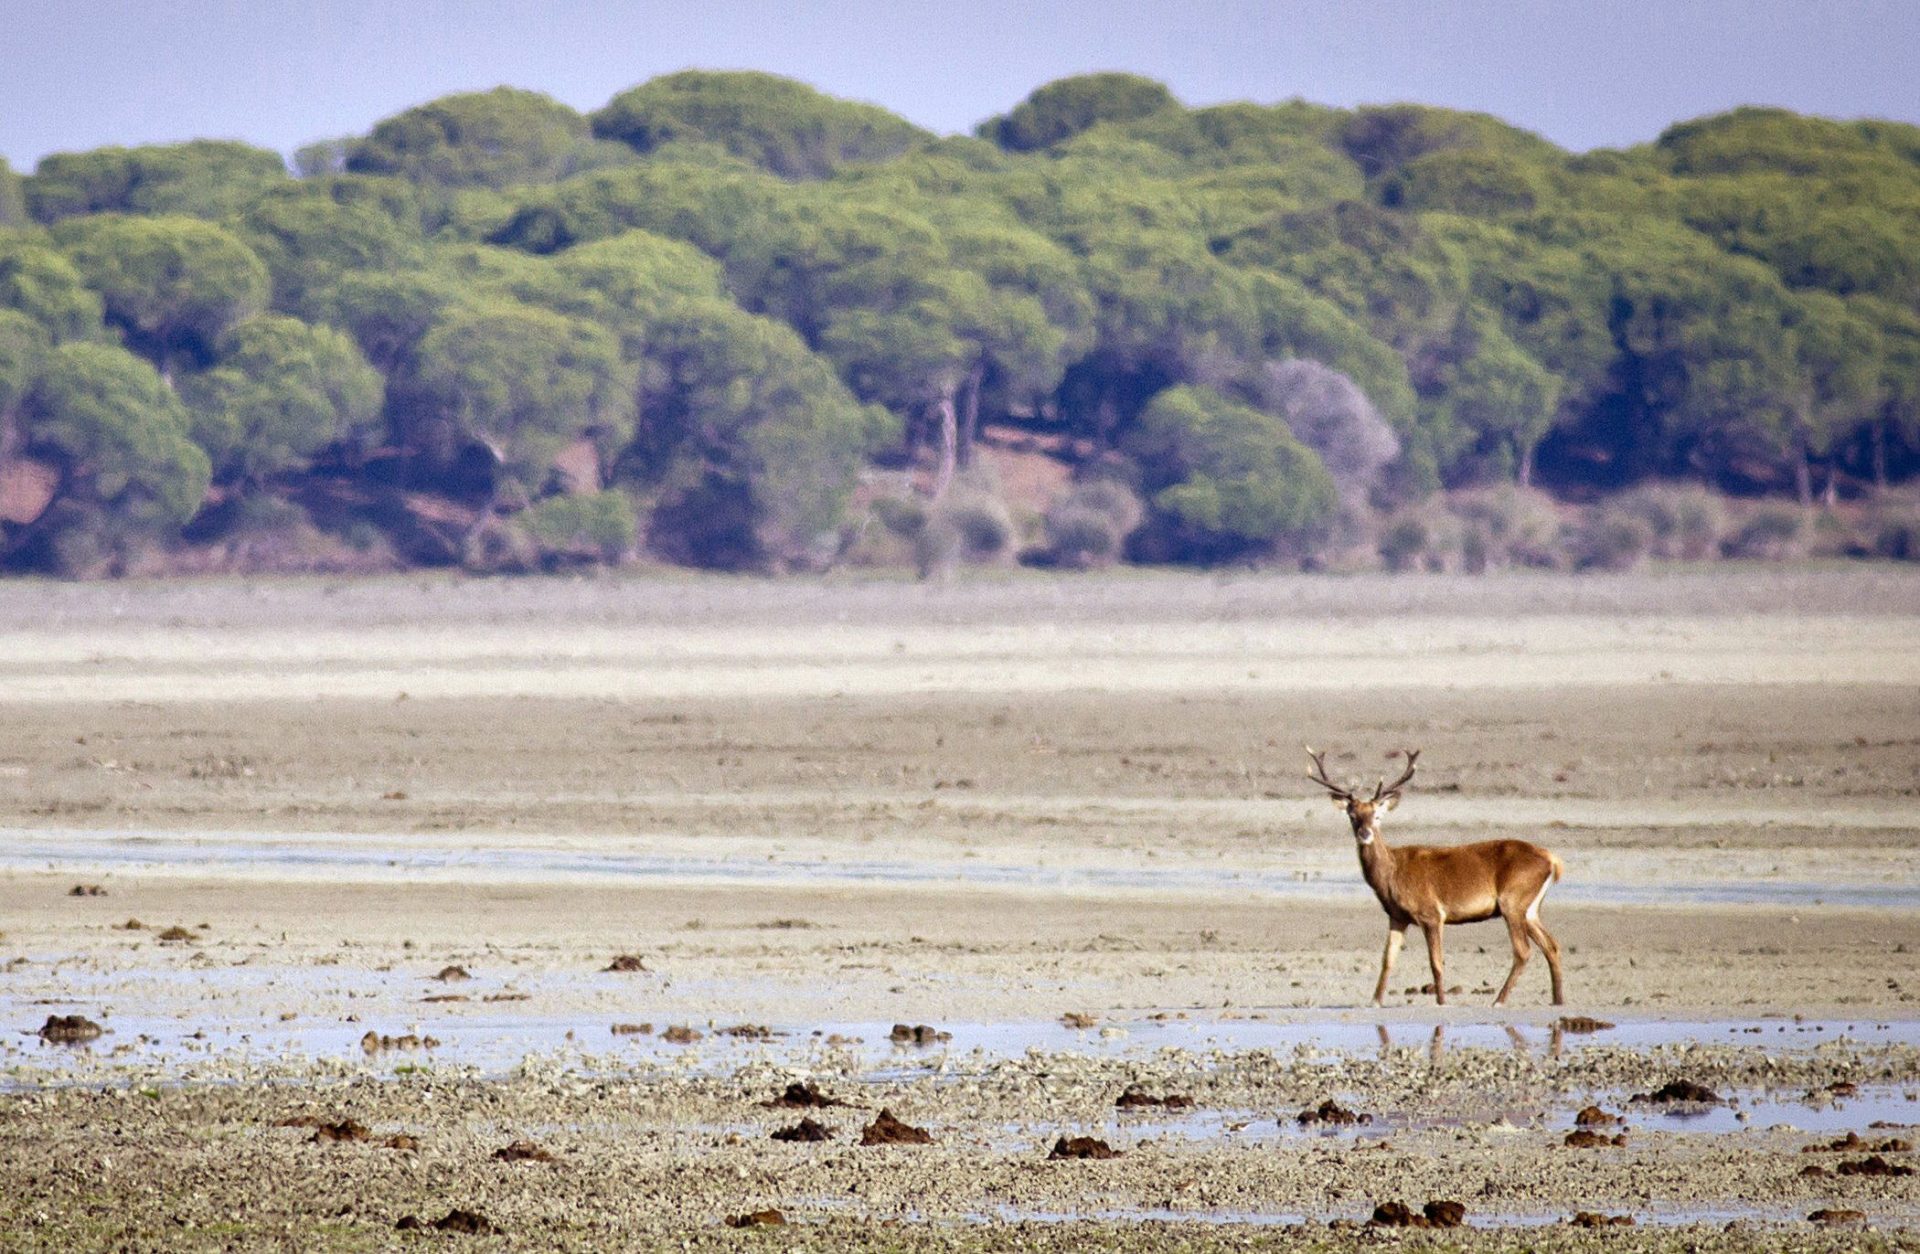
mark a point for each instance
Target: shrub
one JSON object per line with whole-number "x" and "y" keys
{"x": 1403, "y": 542}
{"x": 1081, "y": 538}
{"x": 1611, "y": 538}
{"x": 1089, "y": 526}
{"x": 983, "y": 524}
{"x": 1507, "y": 526}
{"x": 593, "y": 525}
{"x": 904, "y": 516}
{"x": 1892, "y": 530}
{"x": 1686, "y": 521}
{"x": 498, "y": 547}
{"x": 1774, "y": 531}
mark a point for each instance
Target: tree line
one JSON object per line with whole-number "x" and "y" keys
{"x": 730, "y": 321}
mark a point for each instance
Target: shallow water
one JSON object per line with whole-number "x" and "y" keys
{"x": 358, "y": 858}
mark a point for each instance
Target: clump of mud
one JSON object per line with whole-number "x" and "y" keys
{"x": 1081, "y": 1147}
{"x": 1854, "y": 1143}
{"x": 887, "y": 1130}
{"x": 1594, "y": 1117}
{"x": 439, "y": 999}
{"x": 633, "y": 1029}
{"x": 1581, "y": 1025}
{"x": 807, "y": 1129}
{"x": 1829, "y": 1217}
{"x": 69, "y": 1029}
{"x": 626, "y": 963}
{"x": 86, "y": 890}
{"x": 465, "y": 1222}
{"x": 768, "y": 1218}
{"x": 523, "y": 1152}
{"x": 1872, "y": 1165}
{"x": 133, "y": 925}
{"x": 1331, "y": 1114}
{"x": 1680, "y": 1092}
{"x": 1594, "y": 1219}
{"x": 342, "y": 1130}
{"x": 803, "y": 1095}
{"x": 917, "y": 1034}
{"x": 681, "y": 1034}
{"x": 447, "y": 975}
{"x": 373, "y": 1042}
{"x": 1137, "y": 1098}
{"x": 750, "y": 1032}
{"x": 1078, "y": 1019}
{"x": 1439, "y": 1213}
{"x": 1586, "y": 1138}
{"x": 175, "y": 935}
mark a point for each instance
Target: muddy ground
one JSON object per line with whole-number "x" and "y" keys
{"x": 821, "y": 810}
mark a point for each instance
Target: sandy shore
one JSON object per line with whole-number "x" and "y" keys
{"x": 821, "y": 811}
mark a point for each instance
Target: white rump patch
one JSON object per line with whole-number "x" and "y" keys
{"x": 1533, "y": 907}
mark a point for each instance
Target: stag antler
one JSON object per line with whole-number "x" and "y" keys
{"x": 1384, "y": 790}
{"x": 1319, "y": 776}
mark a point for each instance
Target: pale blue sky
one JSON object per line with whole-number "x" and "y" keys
{"x": 82, "y": 73}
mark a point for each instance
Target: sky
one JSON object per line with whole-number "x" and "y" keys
{"x": 77, "y": 74}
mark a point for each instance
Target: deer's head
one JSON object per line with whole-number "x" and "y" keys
{"x": 1363, "y": 812}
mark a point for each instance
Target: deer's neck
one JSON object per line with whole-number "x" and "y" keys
{"x": 1377, "y": 865}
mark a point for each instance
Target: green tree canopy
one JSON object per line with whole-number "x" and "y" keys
{"x": 1066, "y": 107}
{"x": 117, "y": 432}
{"x": 204, "y": 179}
{"x": 749, "y": 442}
{"x": 45, "y": 286}
{"x": 282, "y": 391}
{"x": 525, "y": 380}
{"x": 1226, "y": 480}
{"x": 498, "y": 139}
{"x": 13, "y": 197}
{"x": 776, "y": 123}
{"x": 171, "y": 285}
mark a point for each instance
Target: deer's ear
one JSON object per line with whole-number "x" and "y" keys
{"x": 1339, "y": 803}
{"x": 1389, "y": 801}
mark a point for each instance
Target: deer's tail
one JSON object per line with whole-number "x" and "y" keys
{"x": 1559, "y": 867}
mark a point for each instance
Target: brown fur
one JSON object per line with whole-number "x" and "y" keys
{"x": 1433, "y": 886}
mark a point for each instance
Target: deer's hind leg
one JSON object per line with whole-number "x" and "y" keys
{"x": 1517, "y": 931}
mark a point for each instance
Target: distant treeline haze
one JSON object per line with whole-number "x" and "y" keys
{"x": 729, "y": 321}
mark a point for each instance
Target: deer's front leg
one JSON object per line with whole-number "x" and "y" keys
{"x": 1396, "y": 937}
{"x": 1433, "y": 931}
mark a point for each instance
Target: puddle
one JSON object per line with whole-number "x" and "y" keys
{"x": 1893, "y": 1104}
{"x": 339, "y": 857}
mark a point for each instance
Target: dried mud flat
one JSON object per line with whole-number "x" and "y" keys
{"x": 1061, "y": 824}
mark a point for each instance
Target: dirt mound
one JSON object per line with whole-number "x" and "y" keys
{"x": 768, "y": 1218}
{"x": 805, "y": 1130}
{"x": 1585, "y": 1138}
{"x": 633, "y": 1029}
{"x": 522, "y": 1152}
{"x": 1680, "y": 1092}
{"x": 681, "y": 1034}
{"x": 917, "y": 1034}
{"x": 69, "y": 1029}
{"x": 1837, "y": 1218}
{"x": 465, "y": 1222}
{"x": 373, "y": 1042}
{"x": 750, "y": 1032}
{"x": 1854, "y": 1143}
{"x": 1076, "y": 1019}
{"x": 1439, "y": 1213}
{"x": 1136, "y": 1098}
{"x": 1081, "y": 1147}
{"x": 174, "y": 935}
{"x": 1331, "y": 1113}
{"x": 446, "y": 975}
{"x": 803, "y": 1095}
{"x": 626, "y": 963}
{"x": 1594, "y": 1219}
{"x": 1872, "y": 1165}
{"x": 341, "y": 1130}
{"x": 886, "y": 1130}
{"x": 1594, "y": 1117}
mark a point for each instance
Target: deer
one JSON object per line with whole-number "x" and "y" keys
{"x": 1434, "y": 886}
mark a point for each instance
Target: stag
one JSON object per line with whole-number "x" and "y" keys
{"x": 1435, "y": 886}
